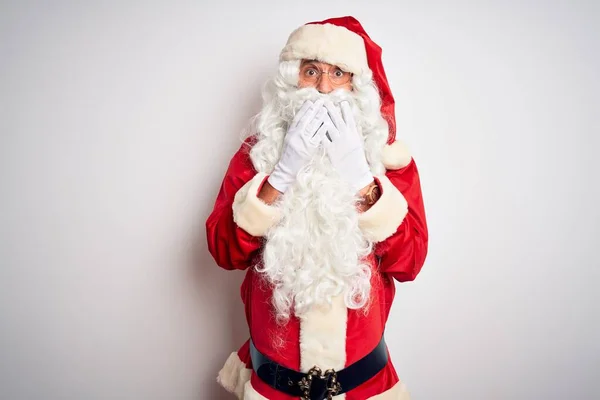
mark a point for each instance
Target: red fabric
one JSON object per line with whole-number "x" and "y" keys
{"x": 376, "y": 66}
{"x": 362, "y": 334}
{"x": 401, "y": 256}
{"x": 231, "y": 246}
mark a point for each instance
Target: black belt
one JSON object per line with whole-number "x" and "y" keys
{"x": 315, "y": 384}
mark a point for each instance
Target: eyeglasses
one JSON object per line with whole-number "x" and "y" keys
{"x": 310, "y": 74}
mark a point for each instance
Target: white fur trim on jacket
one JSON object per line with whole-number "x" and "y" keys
{"x": 327, "y": 43}
{"x": 252, "y": 214}
{"x": 385, "y": 216}
{"x": 396, "y": 155}
{"x": 323, "y": 337}
{"x": 234, "y": 375}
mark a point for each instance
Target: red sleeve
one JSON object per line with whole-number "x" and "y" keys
{"x": 402, "y": 254}
{"x": 231, "y": 246}
{"x": 244, "y": 354}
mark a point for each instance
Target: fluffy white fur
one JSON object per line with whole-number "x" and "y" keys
{"x": 328, "y": 43}
{"x": 396, "y": 155}
{"x": 323, "y": 336}
{"x": 384, "y": 217}
{"x": 316, "y": 252}
{"x": 251, "y": 214}
{"x": 234, "y": 375}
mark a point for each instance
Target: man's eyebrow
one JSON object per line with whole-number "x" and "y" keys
{"x": 306, "y": 62}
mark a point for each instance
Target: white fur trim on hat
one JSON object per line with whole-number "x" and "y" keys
{"x": 396, "y": 155}
{"x": 385, "y": 216}
{"x": 234, "y": 375}
{"x": 252, "y": 214}
{"x": 327, "y": 43}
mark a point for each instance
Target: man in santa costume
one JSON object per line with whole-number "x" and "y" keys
{"x": 322, "y": 208}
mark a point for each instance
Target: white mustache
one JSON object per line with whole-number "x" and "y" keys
{"x": 296, "y": 99}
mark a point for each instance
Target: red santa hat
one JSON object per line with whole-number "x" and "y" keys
{"x": 344, "y": 42}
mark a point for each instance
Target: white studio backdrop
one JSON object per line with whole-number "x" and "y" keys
{"x": 118, "y": 120}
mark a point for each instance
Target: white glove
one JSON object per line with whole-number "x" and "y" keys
{"x": 345, "y": 147}
{"x": 301, "y": 141}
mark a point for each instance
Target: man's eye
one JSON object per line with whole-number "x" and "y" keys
{"x": 311, "y": 72}
{"x": 339, "y": 73}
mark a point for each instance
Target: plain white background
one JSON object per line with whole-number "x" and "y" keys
{"x": 117, "y": 122}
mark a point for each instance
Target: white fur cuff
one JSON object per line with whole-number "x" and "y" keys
{"x": 327, "y": 43}
{"x": 385, "y": 216}
{"x": 252, "y": 214}
{"x": 234, "y": 375}
{"x": 396, "y": 155}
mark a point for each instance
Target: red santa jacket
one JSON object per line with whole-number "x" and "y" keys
{"x": 335, "y": 337}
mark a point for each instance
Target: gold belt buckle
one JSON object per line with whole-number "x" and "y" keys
{"x": 330, "y": 376}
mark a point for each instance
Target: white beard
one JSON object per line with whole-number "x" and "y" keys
{"x": 317, "y": 250}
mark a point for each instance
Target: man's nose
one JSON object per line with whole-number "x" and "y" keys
{"x": 324, "y": 85}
